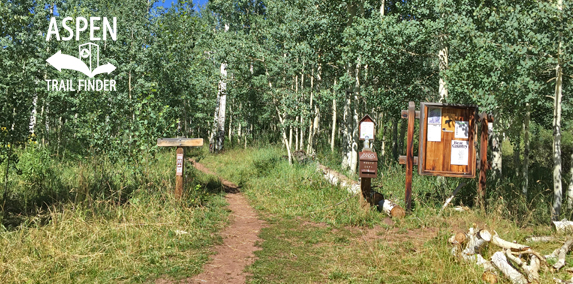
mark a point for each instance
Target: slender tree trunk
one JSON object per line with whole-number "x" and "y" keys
{"x": 525, "y": 184}
{"x": 403, "y": 128}
{"x": 311, "y": 124}
{"x": 496, "y": 163}
{"x": 333, "y": 136}
{"x": 395, "y": 139}
{"x": 301, "y": 126}
{"x": 382, "y": 8}
{"x": 557, "y": 183}
{"x": 283, "y": 132}
{"x": 570, "y": 188}
{"x": 346, "y": 134}
{"x": 517, "y": 156}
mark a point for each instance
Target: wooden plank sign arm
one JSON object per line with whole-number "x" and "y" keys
{"x": 180, "y": 161}
{"x": 180, "y": 142}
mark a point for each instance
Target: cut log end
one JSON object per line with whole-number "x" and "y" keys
{"x": 397, "y": 212}
{"x": 489, "y": 277}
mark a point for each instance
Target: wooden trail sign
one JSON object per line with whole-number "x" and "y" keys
{"x": 180, "y": 154}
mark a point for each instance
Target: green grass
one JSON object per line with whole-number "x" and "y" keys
{"x": 310, "y": 240}
{"x": 86, "y": 237}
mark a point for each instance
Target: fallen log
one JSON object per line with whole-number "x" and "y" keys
{"x": 559, "y": 281}
{"x": 560, "y": 254}
{"x": 499, "y": 260}
{"x": 531, "y": 270}
{"x": 563, "y": 226}
{"x": 543, "y": 239}
{"x": 389, "y": 207}
{"x": 496, "y": 240}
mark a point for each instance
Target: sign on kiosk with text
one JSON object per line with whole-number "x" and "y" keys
{"x": 447, "y": 140}
{"x": 368, "y": 167}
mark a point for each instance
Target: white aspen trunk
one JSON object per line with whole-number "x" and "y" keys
{"x": 517, "y": 156}
{"x": 346, "y": 135}
{"x": 231, "y": 122}
{"x": 525, "y": 185}
{"x": 333, "y": 136}
{"x": 301, "y": 126}
{"x": 570, "y": 188}
{"x": 496, "y": 162}
{"x": 32, "y": 124}
{"x": 557, "y": 185}
{"x": 382, "y": 8}
{"x": 443, "y": 65}
{"x": 222, "y": 104}
{"x": 383, "y": 129}
{"x": 354, "y": 160}
{"x": 395, "y": 139}
{"x": 311, "y": 124}
{"x": 283, "y": 132}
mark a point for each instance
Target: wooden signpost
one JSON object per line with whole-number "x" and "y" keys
{"x": 180, "y": 154}
{"x": 447, "y": 144}
{"x": 368, "y": 160}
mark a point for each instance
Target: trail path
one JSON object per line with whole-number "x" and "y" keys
{"x": 239, "y": 238}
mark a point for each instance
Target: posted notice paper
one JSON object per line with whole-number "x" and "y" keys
{"x": 434, "y": 133}
{"x": 462, "y": 129}
{"x": 460, "y": 153}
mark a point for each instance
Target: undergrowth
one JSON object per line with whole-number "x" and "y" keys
{"x": 92, "y": 221}
{"x": 319, "y": 233}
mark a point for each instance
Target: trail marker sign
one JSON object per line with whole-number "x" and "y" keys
{"x": 367, "y": 128}
{"x": 180, "y": 162}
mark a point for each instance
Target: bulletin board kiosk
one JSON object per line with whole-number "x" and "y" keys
{"x": 447, "y": 145}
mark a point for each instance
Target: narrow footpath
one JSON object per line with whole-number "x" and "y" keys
{"x": 239, "y": 239}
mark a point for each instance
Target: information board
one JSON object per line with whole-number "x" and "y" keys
{"x": 447, "y": 140}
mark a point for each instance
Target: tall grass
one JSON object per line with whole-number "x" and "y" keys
{"x": 93, "y": 221}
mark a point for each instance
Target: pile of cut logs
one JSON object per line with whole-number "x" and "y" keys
{"x": 517, "y": 262}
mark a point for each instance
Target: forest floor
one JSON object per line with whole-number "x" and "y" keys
{"x": 310, "y": 236}
{"x": 239, "y": 239}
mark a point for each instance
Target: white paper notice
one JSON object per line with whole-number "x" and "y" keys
{"x": 434, "y": 132}
{"x": 367, "y": 130}
{"x": 462, "y": 129}
{"x": 435, "y": 115}
{"x": 459, "y": 154}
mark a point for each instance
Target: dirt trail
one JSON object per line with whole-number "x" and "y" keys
{"x": 239, "y": 238}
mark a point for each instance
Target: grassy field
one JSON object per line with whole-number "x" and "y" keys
{"x": 310, "y": 239}
{"x": 77, "y": 232}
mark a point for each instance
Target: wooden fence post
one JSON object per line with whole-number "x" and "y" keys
{"x": 410, "y": 155}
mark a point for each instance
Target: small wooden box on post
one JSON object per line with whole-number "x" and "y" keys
{"x": 447, "y": 143}
{"x": 368, "y": 160}
{"x": 180, "y": 143}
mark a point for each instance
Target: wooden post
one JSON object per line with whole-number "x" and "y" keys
{"x": 179, "y": 172}
{"x": 484, "y": 166}
{"x": 410, "y": 155}
{"x": 366, "y": 187}
{"x": 180, "y": 143}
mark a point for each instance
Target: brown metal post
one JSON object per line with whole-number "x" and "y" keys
{"x": 179, "y": 172}
{"x": 410, "y": 155}
{"x": 484, "y": 166}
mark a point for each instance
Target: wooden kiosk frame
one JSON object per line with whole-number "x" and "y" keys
{"x": 435, "y": 157}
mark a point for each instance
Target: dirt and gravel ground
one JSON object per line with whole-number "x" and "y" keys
{"x": 239, "y": 240}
